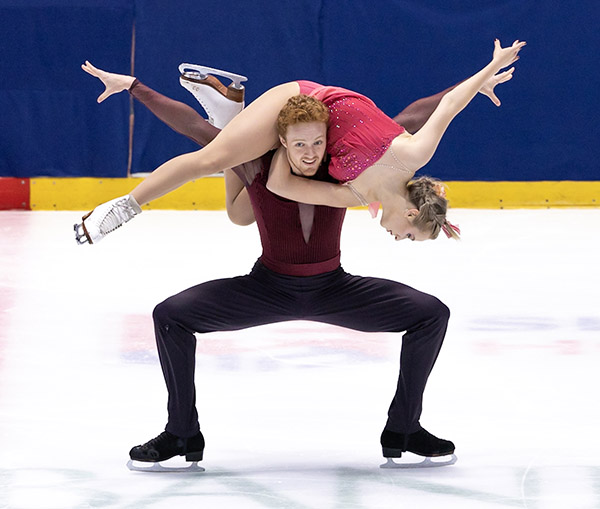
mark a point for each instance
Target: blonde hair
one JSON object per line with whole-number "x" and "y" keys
{"x": 429, "y": 196}
{"x": 301, "y": 108}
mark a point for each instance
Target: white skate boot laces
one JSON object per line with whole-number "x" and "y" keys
{"x": 106, "y": 218}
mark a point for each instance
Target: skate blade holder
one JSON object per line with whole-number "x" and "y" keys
{"x": 80, "y": 235}
{"x": 428, "y": 462}
{"x": 204, "y": 71}
{"x": 143, "y": 466}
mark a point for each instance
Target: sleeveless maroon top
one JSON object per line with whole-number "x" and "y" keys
{"x": 297, "y": 239}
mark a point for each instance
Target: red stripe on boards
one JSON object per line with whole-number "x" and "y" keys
{"x": 14, "y": 193}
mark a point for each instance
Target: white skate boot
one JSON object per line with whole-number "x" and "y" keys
{"x": 221, "y": 103}
{"x": 106, "y": 218}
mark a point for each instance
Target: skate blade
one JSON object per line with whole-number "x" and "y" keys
{"x": 203, "y": 70}
{"x": 442, "y": 461}
{"x": 157, "y": 467}
{"x": 80, "y": 234}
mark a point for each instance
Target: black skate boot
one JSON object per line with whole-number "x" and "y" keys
{"x": 167, "y": 445}
{"x": 421, "y": 443}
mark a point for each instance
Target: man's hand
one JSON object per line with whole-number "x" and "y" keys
{"x": 114, "y": 83}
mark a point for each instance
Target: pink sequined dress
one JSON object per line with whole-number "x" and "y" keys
{"x": 358, "y": 134}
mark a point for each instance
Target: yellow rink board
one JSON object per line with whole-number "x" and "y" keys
{"x": 209, "y": 194}
{"x": 85, "y": 193}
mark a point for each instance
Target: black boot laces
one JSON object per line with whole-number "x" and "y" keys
{"x": 162, "y": 438}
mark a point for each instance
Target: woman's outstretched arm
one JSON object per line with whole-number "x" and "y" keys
{"x": 304, "y": 190}
{"x": 417, "y": 150}
{"x": 414, "y": 116}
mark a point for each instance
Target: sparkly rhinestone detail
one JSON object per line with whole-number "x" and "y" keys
{"x": 359, "y": 134}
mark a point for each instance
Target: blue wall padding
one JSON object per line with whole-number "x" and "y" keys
{"x": 50, "y": 123}
{"x": 393, "y": 51}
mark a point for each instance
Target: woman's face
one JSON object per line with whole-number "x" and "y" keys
{"x": 305, "y": 143}
{"x": 398, "y": 222}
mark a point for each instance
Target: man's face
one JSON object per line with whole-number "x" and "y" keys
{"x": 305, "y": 143}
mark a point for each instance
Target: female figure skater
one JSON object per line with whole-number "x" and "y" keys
{"x": 254, "y": 132}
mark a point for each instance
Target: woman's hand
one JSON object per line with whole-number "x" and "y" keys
{"x": 488, "y": 87}
{"x": 503, "y": 57}
{"x": 424, "y": 143}
{"x": 113, "y": 83}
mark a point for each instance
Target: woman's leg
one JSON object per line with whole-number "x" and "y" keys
{"x": 249, "y": 135}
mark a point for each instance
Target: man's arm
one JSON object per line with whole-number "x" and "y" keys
{"x": 239, "y": 208}
{"x": 177, "y": 115}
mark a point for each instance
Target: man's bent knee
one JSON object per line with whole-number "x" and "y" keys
{"x": 165, "y": 312}
{"x": 441, "y": 311}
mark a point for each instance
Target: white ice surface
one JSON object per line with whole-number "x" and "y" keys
{"x": 292, "y": 412}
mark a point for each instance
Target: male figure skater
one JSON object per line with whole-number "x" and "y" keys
{"x": 297, "y": 277}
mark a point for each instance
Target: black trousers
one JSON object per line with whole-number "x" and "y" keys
{"x": 263, "y": 296}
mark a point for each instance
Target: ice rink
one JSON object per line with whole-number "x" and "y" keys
{"x": 292, "y": 412}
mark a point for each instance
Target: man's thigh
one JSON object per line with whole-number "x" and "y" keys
{"x": 373, "y": 305}
{"x": 228, "y": 304}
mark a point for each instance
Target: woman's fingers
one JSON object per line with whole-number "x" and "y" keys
{"x": 505, "y": 76}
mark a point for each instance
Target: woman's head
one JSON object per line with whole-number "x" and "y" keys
{"x": 424, "y": 214}
{"x": 428, "y": 195}
{"x": 302, "y": 127}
